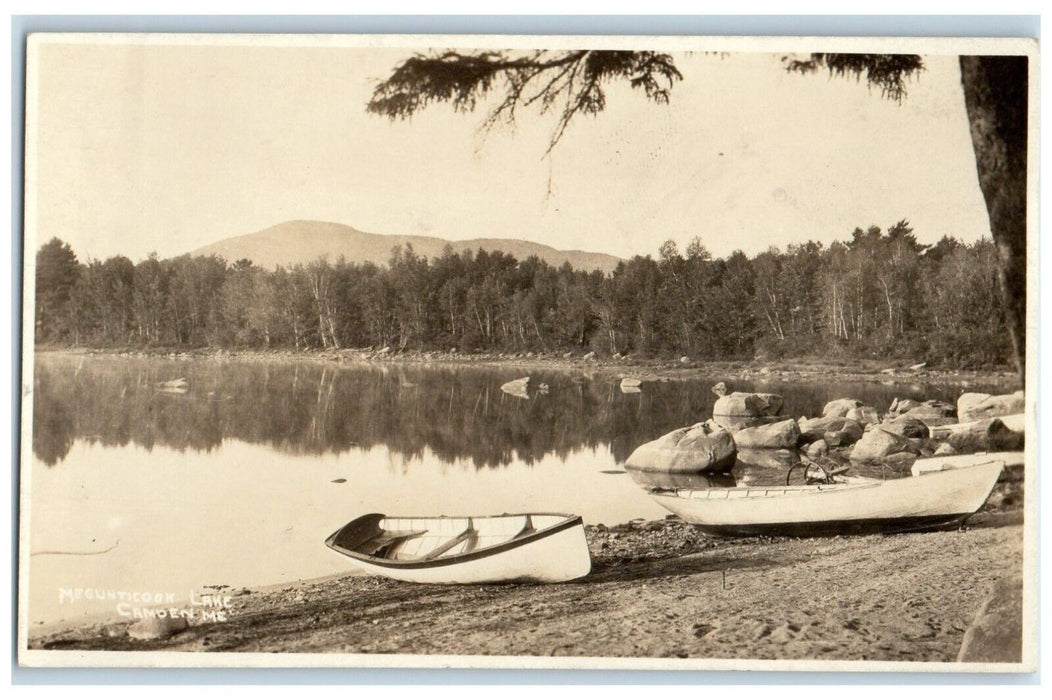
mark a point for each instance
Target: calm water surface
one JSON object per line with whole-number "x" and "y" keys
{"x": 238, "y": 480}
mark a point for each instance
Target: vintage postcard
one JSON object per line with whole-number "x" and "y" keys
{"x": 529, "y": 352}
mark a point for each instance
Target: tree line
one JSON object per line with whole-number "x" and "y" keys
{"x": 877, "y": 294}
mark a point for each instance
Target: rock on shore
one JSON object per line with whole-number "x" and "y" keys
{"x": 907, "y": 426}
{"x": 703, "y": 447}
{"x": 996, "y": 633}
{"x": 931, "y": 412}
{"x": 835, "y": 431}
{"x": 974, "y": 406}
{"x": 776, "y": 436}
{"x": 838, "y": 408}
{"x": 989, "y": 435}
{"x": 746, "y": 404}
{"x": 878, "y": 444}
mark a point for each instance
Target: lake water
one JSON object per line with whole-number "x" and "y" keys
{"x": 238, "y": 479}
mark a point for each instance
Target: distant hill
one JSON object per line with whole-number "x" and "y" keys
{"x": 303, "y": 241}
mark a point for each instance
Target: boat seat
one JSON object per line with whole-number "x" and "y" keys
{"x": 526, "y": 529}
{"x": 441, "y": 549}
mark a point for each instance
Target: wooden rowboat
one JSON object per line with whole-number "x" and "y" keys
{"x": 538, "y": 547}
{"x": 849, "y": 505}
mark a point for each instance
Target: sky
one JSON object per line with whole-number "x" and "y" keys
{"x": 140, "y": 148}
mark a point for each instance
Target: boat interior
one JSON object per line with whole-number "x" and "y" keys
{"x": 425, "y": 539}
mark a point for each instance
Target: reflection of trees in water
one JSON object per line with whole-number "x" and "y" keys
{"x": 309, "y": 408}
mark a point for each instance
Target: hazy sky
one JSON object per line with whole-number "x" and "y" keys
{"x": 167, "y": 148}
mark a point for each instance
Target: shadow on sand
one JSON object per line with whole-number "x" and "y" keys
{"x": 685, "y": 565}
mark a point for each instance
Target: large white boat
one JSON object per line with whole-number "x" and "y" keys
{"x": 847, "y": 505}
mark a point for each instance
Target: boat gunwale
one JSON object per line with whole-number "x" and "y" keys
{"x": 799, "y": 490}
{"x": 569, "y": 521}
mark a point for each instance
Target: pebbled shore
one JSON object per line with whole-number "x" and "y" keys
{"x": 646, "y": 369}
{"x": 657, "y": 589}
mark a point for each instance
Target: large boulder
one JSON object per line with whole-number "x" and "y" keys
{"x": 864, "y": 415}
{"x": 1014, "y": 424}
{"x": 703, "y": 447}
{"x": 973, "y": 406}
{"x": 817, "y": 449}
{"x": 900, "y": 406}
{"x": 835, "y": 431}
{"x": 931, "y": 412}
{"x": 996, "y": 633}
{"x": 742, "y": 403}
{"x": 736, "y": 423}
{"x": 517, "y": 387}
{"x": 838, "y": 408}
{"x": 878, "y": 445}
{"x": 782, "y": 435}
{"x": 989, "y": 435}
{"x": 907, "y": 426}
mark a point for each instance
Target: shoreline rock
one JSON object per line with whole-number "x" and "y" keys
{"x": 878, "y": 444}
{"x": 973, "y": 406}
{"x": 907, "y": 426}
{"x": 837, "y": 432}
{"x": 996, "y": 633}
{"x": 700, "y": 448}
{"x": 783, "y": 435}
{"x": 931, "y": 412}
{"x": 747, "y": 404}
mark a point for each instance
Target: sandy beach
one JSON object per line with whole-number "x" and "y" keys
{"x": 657, "y": 589}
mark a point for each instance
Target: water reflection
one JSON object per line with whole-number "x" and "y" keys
{"x": 665, "y": 480}
{"x": 457, "y": 413}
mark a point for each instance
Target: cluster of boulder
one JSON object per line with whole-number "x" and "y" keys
{"x": 909, "y": 428}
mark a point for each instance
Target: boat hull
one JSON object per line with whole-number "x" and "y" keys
{"x": 833, "y": 528}
{"x": 552, "y": 556}
{"x": 932, "y": 501}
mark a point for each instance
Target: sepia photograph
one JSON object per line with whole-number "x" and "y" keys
{"x": 529, "y": 352}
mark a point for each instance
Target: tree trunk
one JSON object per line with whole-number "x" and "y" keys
{"x": 995, "y": 97}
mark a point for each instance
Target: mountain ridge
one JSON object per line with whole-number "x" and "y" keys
{"x": 301, "y": 241}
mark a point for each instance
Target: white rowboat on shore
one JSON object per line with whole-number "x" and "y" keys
{"x": 934, "y": 500}
{"x": 537, "y": 547}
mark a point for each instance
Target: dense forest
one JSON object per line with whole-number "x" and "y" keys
{"x": 878, "y": 294}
